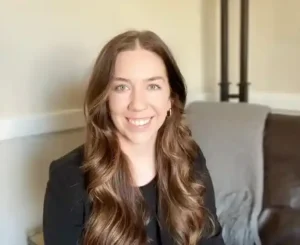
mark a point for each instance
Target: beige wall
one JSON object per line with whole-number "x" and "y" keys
{"x": 274, "y": 44}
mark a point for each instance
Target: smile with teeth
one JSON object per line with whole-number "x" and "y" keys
{"x": 140, "y": 122}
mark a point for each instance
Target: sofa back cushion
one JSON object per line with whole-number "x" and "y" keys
{"x": 282, "y": 180}
{"x": 282, "y": 161}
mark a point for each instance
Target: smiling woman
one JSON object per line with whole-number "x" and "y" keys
{"x": 139, "y": 177}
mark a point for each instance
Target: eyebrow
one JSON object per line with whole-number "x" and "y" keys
{"x": 150, "y": 79}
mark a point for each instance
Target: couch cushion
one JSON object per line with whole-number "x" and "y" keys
{"x": 282, "y": 180}
{"x": 282, "y": 161}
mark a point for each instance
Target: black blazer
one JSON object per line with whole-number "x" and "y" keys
{"x": 66, "y": 205}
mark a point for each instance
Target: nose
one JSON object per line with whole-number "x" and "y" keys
{"x": 138, "y": 100}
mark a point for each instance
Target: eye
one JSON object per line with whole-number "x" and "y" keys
{"x": 121, "y": 87}
{"x": 154, "y": 87}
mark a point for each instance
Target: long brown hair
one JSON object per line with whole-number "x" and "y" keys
{"x": 118, "y": 213}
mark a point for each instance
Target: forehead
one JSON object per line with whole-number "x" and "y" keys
{"x": 139, "y": 63}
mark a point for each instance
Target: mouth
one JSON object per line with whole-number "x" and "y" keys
{"x": 140, "y": 122}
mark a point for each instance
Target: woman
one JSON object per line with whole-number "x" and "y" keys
{"x": 139, "y": 178}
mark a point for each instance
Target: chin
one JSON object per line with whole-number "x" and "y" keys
{"x": 141, "y": 138}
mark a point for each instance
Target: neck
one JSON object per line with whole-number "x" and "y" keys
{"x": 142, "y": 160}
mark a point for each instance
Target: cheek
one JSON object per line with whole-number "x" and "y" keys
{"x": 111, "y": 103}
{"x": 160, "y": 101}
{"x": 116, "y": 104}
{"x": 161, "y": 106}
{"x": 115, "y": 110}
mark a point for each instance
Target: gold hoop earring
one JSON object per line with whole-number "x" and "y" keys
{"x": 169, "y": 113}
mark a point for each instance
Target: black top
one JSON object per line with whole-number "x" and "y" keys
{"x": 150, "y": 193}
{"x": 66, "y": 205}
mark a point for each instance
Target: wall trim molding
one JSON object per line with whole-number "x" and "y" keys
{"x": 41, "y": 123}
{"x": 285, "y": 103}
{"x": 73, "y": 119}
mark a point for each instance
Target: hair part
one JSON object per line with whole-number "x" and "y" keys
{"x": 119, "y": 214}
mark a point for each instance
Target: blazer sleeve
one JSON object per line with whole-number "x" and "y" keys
{"x": 209, "y": 202}
{"x": 63, "y": 214}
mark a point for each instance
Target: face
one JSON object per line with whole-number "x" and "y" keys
{"x": 139, "y": 98}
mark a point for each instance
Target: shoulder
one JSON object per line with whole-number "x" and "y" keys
{"x": 202, "y": 174}
{"x": 68, "y": 165}
{"x": 70, "y": 161}
{"x": 65, "y": 173}
{"x": 200, "y": 162}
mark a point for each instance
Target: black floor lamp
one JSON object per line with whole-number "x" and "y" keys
{"x": 244, "y": 29}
